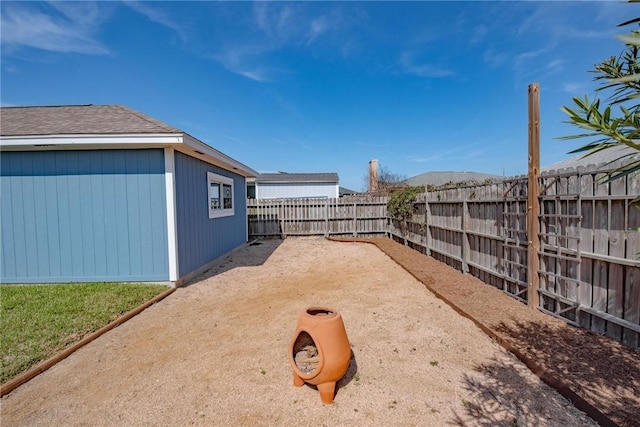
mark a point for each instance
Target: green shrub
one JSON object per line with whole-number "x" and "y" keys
{"x": 400, "y": 204}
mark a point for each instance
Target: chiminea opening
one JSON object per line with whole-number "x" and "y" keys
{"x": 319, "y": 312}
{"x": 305, "y": 353}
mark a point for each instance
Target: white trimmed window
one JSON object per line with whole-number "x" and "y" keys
{"x": 220, "y": 189}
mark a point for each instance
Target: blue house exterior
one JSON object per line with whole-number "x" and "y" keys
{"x": 104, "y": 193}
{"x": 201, "y": 239}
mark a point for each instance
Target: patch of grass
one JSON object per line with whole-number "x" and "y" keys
{"x": 434, "y": 363}
{"x": 37, "y": 321}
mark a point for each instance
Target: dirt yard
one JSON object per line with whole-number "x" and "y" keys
{"x": 215, "y": 353}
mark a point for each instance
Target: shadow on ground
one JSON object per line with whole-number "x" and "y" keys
{"x": 500, "y": 399}
{"x": 351, "y": 374}
{"x": 596, "y": 367}
{"x": 253, "y": 254}
{"x": 601, "y": 375}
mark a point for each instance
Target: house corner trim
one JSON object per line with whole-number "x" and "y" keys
{"x": 172, "y": 229}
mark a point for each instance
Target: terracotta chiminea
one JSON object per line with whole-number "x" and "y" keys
{"x": 320, "y": 352}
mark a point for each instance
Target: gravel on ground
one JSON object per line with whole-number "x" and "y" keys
{"x": 216, "y": 353}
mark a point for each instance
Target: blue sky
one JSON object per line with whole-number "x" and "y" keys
{"x": 323, "y": 86}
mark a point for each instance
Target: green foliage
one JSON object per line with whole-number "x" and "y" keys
{"x": 38, "y": 321}
{"x": 400, "y": 204}
{"x": 607, "y": 126}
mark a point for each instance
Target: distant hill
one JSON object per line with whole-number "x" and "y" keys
{"x": 601, "y": 159}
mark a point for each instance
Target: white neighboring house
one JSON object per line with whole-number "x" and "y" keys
{"x": 295, "y": 185}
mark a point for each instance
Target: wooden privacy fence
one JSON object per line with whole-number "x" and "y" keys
{"x": 354, "y": 216}
{"x": 589, "y": 254}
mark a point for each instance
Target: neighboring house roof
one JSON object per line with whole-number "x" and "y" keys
{"x": 98, "y": 127}
{"x": 346, "y": 192}
{"x": 437, "y": 179}
{"x": 297, "y": 178}
{"x": 601, "y": 158}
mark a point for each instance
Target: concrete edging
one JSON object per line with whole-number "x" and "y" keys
{"x": 17, "y": 381}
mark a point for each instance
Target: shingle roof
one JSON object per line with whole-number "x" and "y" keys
{"x": 624, "y": 153}
{"x": 346, "y": 192}
{"x": 78, "y": 120}
{"x": 284, "y": 178}
{"x": 441, "y": 178}
{"x": 92, "y": 126}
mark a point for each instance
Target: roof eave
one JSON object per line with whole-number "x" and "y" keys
{"x": 179, "y": 141}
{"x": 298, "y": 182}
{"x": 222, "y": 159}
{"x": 35, "y": 142}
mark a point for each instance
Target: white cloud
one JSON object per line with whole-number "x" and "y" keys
{"x": 278, "y": 23}
{"x": 248, "y": 55}
{"x": 565, "y": 21}
{"x": 245, "y": 61}
{"x": 61, "y": 28}
{"x": 317, "y": 27}
{"x": 523, "y": 58}
{"x": 555, "y": 66}
{"x": 575, "y": 87}
{"x": 462, "y": 152}
{"x": 293, "y": 142}
{"x": 236, "y": 140}
{"x": 277, "y": 27}
{"x": 85, "y": 12}
{"x": 158, "y": 16}
{"x": 371, "y": 145}
{"x": 256, "y": 75}
{"x": 495, "y": 59}
{"x": 478, "y": 34}
{"x": 290, "y": 24}
{"x": 427, "y": 70}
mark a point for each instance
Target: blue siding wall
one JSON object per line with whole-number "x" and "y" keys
{"x": 201, "y": 239}
{"x": 97, "y": 215}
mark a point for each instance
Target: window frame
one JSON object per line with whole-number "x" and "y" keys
{"x": 222, "y": 181}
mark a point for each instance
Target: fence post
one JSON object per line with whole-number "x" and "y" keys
{"x": 326, "y": 217}
{"x": 427, "y": 221}
{"x": 533, "y": 201}
{"x": 283, "y": 233}
{"x": 464, "y": 245}
{"x": 355, "y": 219}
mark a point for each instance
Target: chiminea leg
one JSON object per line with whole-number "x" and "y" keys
{"x": 297, "y": 381}
{"x": 327, "y": 391}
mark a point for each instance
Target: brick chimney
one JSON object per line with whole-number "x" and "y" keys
{"x": 373, "y": 176}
